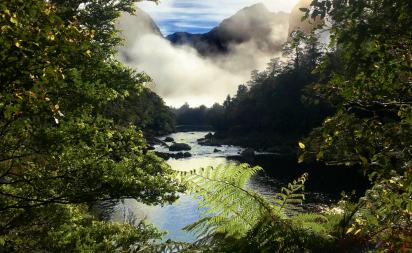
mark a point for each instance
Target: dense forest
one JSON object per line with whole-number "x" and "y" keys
{"x": 74, "y": 124}
{"x": 144, "y": 109}
{"x": 272, "y": 109}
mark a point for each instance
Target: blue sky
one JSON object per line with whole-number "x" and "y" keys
{"x": 197, "y": 16}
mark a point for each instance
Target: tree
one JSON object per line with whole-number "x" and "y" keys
{"x": 270, "y": 111}
{"x": 372, "y": 91}
{"x": 274, "y": 67}
{"x": 294, "y": 48}
{"x": 241, "y": 91}
{"x": 227, "y": 101}
{"x": 144, "y": 109}
{"x": 58, "y": 152}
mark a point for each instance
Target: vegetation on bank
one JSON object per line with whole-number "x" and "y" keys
{"x": 270, "y": 110}
{"x": 63, "y": 147}
{"x": 59, "y": 150}
{"x": 144, "y": 109}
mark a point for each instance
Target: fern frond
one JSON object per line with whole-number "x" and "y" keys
{"x": 288, "y": 202}
{"x": 238, "y": 219}
{"x": 231, "y": 208}
{"x": 171, "y": 247}
{"x": 312, "y": 221}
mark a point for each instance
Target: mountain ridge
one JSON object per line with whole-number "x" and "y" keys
{"x": 254, "y": 23}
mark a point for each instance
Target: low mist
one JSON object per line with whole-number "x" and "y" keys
{"x": 180, "y": 74}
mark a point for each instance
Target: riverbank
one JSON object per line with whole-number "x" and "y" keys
{"x": 279, "y": 162}
{"x": 322, "y": 189}
{"x": 258, "y": 141}
{"x": 330, "y": 180}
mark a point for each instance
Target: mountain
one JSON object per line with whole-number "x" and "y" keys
{"x": 138, "y": 24}
{"x": 252, "y": 24}
{"x": 133, "y": 27}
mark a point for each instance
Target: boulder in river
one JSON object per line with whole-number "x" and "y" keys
{"x": 155, "y": 141}
{"x": 180, "y": 147}
{"x": 165, "y": 156}
{"x": 179, "y": 155}
{"x": 209, "y": 142}
{"x": 169, "y": 139}
{"x": 217, "y": 150}
{"x": 187, "y": 155}
{"x": 248, "y": 153}
{"x": 208, "y": 136}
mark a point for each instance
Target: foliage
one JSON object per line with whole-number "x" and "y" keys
{"x": 238, "y": 219}
{"x": 230, "y": 209}
{"x": 269, "y": 110}
{"x": 371, "y": 41}
{"x": 373, "y": 92}
{"x": 145, "y": 109}
{"x": 58, "y": 149}
{"x": 384, "y": 219}
{"x": 69, "y": 228}
{"x": 290, "y": 199}
{"x": 191, "y": 116}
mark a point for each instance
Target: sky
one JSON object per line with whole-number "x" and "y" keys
{"x": 197, "y": 16}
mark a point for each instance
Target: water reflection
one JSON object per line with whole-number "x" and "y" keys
{"x": 195, "y": 163}
{"x": 172, "y": 218}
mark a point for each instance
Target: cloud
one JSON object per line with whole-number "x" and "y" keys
{"x": 195, "y": 14}
{"x": 181, "y": 75}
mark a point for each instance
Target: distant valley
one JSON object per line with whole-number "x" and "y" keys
{"x": 204, "y": 68}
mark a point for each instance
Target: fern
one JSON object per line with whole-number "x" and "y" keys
{"x": 289, "y": 201}
{"x": 241, "y": 219}
{"x": 171, "y": 247}
{"x": 230, "y": 208}
{"x": 315, "y": 221}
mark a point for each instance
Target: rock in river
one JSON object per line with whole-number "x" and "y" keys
{"x": 169, "y": 139}
{"x": 180, "y": 147}
{"x": 179, "y": 155}
{"x": 208, "y": 136}
{"x": 248, "y": 153}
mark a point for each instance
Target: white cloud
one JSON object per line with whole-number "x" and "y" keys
{"x": 180, "y": 74}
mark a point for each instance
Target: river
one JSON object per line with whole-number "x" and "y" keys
{"x": 172, "y": 218}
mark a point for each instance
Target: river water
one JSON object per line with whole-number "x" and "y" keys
{"x": 172, "y": 218}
